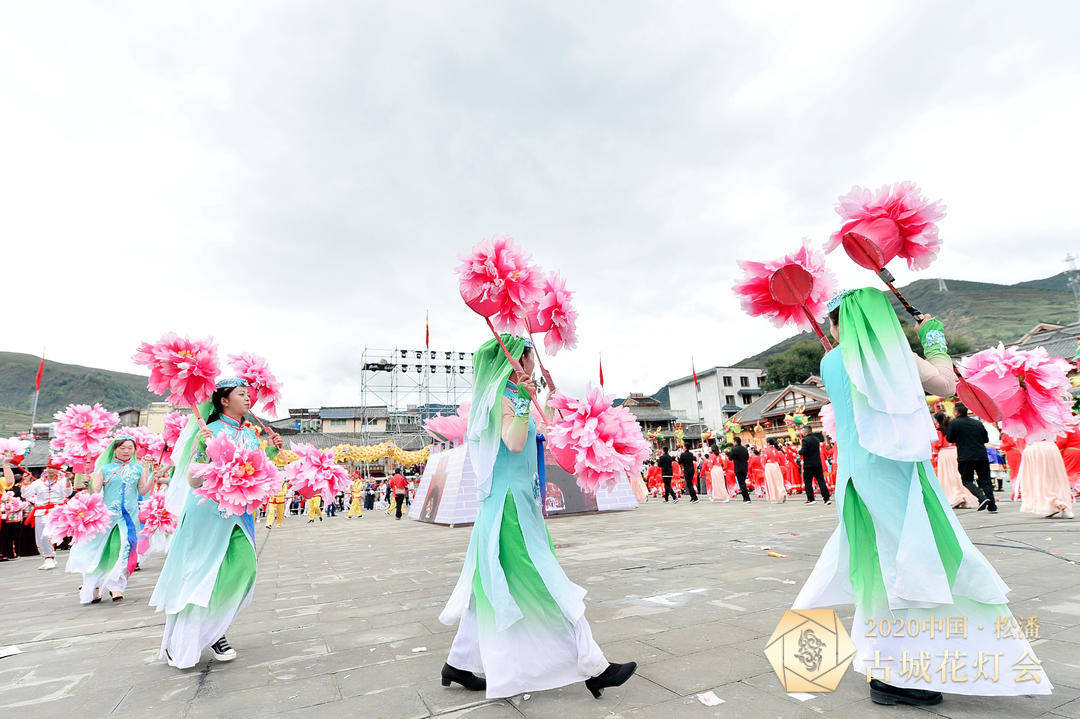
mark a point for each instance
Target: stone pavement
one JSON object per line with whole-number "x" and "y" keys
{"x": 344, "y": 622}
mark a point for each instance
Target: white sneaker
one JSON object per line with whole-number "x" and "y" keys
{"x": 49, "y": 563}
{"x": 222, "y": 651}
{"x": 1067, "y": 513}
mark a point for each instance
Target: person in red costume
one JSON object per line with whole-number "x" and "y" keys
{"x": 655, "y": 480}
{"x": 755, "y": 478}
{"x": 828, "y": 463}
{"x": 1069, "y": 444}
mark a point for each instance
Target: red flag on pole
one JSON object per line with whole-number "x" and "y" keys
{"x": 427, "y": 332}
{"x": 694, "y": 372}
{"x": 40, "y": 369}
{"x": 601, "y": 373}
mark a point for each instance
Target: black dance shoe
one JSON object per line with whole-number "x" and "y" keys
{"x": 614, "y": 676}
{"x": 882, "y": 693}
{"x": 466, "y": 679}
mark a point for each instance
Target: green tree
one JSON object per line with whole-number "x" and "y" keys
{"x": 793, "y": 366}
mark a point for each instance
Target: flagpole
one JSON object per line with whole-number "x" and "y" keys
{"x": 37, "y": 392}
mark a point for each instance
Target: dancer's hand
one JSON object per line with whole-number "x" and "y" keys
{"x": 922, "y": 320}
{"x": 275, "y": 439}
{"x": 206, "y": 433}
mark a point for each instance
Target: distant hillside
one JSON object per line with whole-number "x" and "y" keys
{"x": 981, "y": 312}
{"x": 63, "y": 384}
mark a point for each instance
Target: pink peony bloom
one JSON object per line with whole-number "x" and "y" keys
{"x": 146, "y": 442}
{"x": 155, "y": 517}
{"x": 238, "y": 479}
{"x": 316, "y": 472}
{"x": 498, "y": 280}
{"x": 82, "y": 517}
{"x": 1031, "y": 389}
{"x": 555, "y": 316}
{"x": 13, "y": 446}
{"x": 265, "y": 387}
{"x": 450, "y": 428}
{"x": 757, "y": 298}
{"x": 81, "y": 433}
{"x": 915, "y": 237}
{"x": 604, "y": 442}
{"x": 186, "y": 369}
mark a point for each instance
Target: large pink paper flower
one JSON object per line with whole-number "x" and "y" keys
{"x": 186, "y": 369}
{"x": 1031, "y": 389}
{"x": 82, "y": 517}
{"x": 13, "y": 446}
{"x": 916, "y": 235}
{"x": 499, "y": 280}
{"x": 757, "y": 298}
{"x": 450, "y": 428}
{"x": 146, "y": 442}
{"x": 316, "y": 472}
{"x": 81, "y": 433}
{"x": 604, "y": 443}
{"x": 554, "y": 315}
{"x": 155, "y": 516}
{"x": 265, "y": 387}
{"x": 238, "y": 479}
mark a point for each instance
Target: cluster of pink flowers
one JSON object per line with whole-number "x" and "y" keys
{"x": 554, "y": 315}
{"x": 915, "y": 235}
{"x": 81, "y": 433}
{"x": 1031, "y": 389}
{"x": 155, "y": 517}
{"x": 238, "y": 479}
{"x": 500, "y": 281}
{"x": 146, "y": 442}
{"x": 597, "y": 443}
{"x": 264, "y": 386}
{"x": 755, "y": 293}
{"x": 316, "y": 472}
{"x": 186, "y": 369}
{"x": 82, "y": 517}
{"x": 11, "y": 505}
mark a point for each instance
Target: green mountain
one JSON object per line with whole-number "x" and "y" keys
{"x": 980, "y": 312}
{"x": 61, "y": 385}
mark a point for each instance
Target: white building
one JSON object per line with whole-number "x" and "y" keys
{"x": 721, "y": 392}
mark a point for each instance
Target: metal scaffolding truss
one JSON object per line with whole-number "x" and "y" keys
{"x": 413, "y": 384}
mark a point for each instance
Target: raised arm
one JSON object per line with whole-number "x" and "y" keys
{"x": 936, "y": 371}
{"x": 97, "y": 481}
{"x": 9, "y": 476}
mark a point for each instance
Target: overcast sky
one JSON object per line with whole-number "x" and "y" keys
{"x": 297, "y": 179}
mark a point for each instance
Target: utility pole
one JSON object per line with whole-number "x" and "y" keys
{"x": 1073, "y": 276}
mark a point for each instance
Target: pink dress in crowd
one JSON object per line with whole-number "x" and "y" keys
{"x": 1042, "y": 480}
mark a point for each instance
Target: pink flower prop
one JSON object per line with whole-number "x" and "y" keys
{"x": 498, "y": 280}
{"x": 757, "y": 298}
{"x": 265, "y": 387}
{"x": 828, "y": 420}
{"x": 450, "y": 428}
{"x": 604, "y": 442}
{"x": 555, "y": 316}
{"x": 1030, "y": 388}
{"x": 81, "y": 433}
{"x": 146, "y": 442}
{"x": 186, "y": 369}
{"x": 316, "y": 472}
{"x": 11, "y": 505}
{"x": 155, "y": 517}
{"x": 13, "y": 446}
{"x": 912, "y": 233}
{"x": 82, "y": 517}
{"x": 238, "y": 479}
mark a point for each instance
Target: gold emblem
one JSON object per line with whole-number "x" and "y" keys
{"x": 810, "y": 650}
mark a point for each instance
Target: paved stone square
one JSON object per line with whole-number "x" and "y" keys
{"x": 344, "y": 622}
